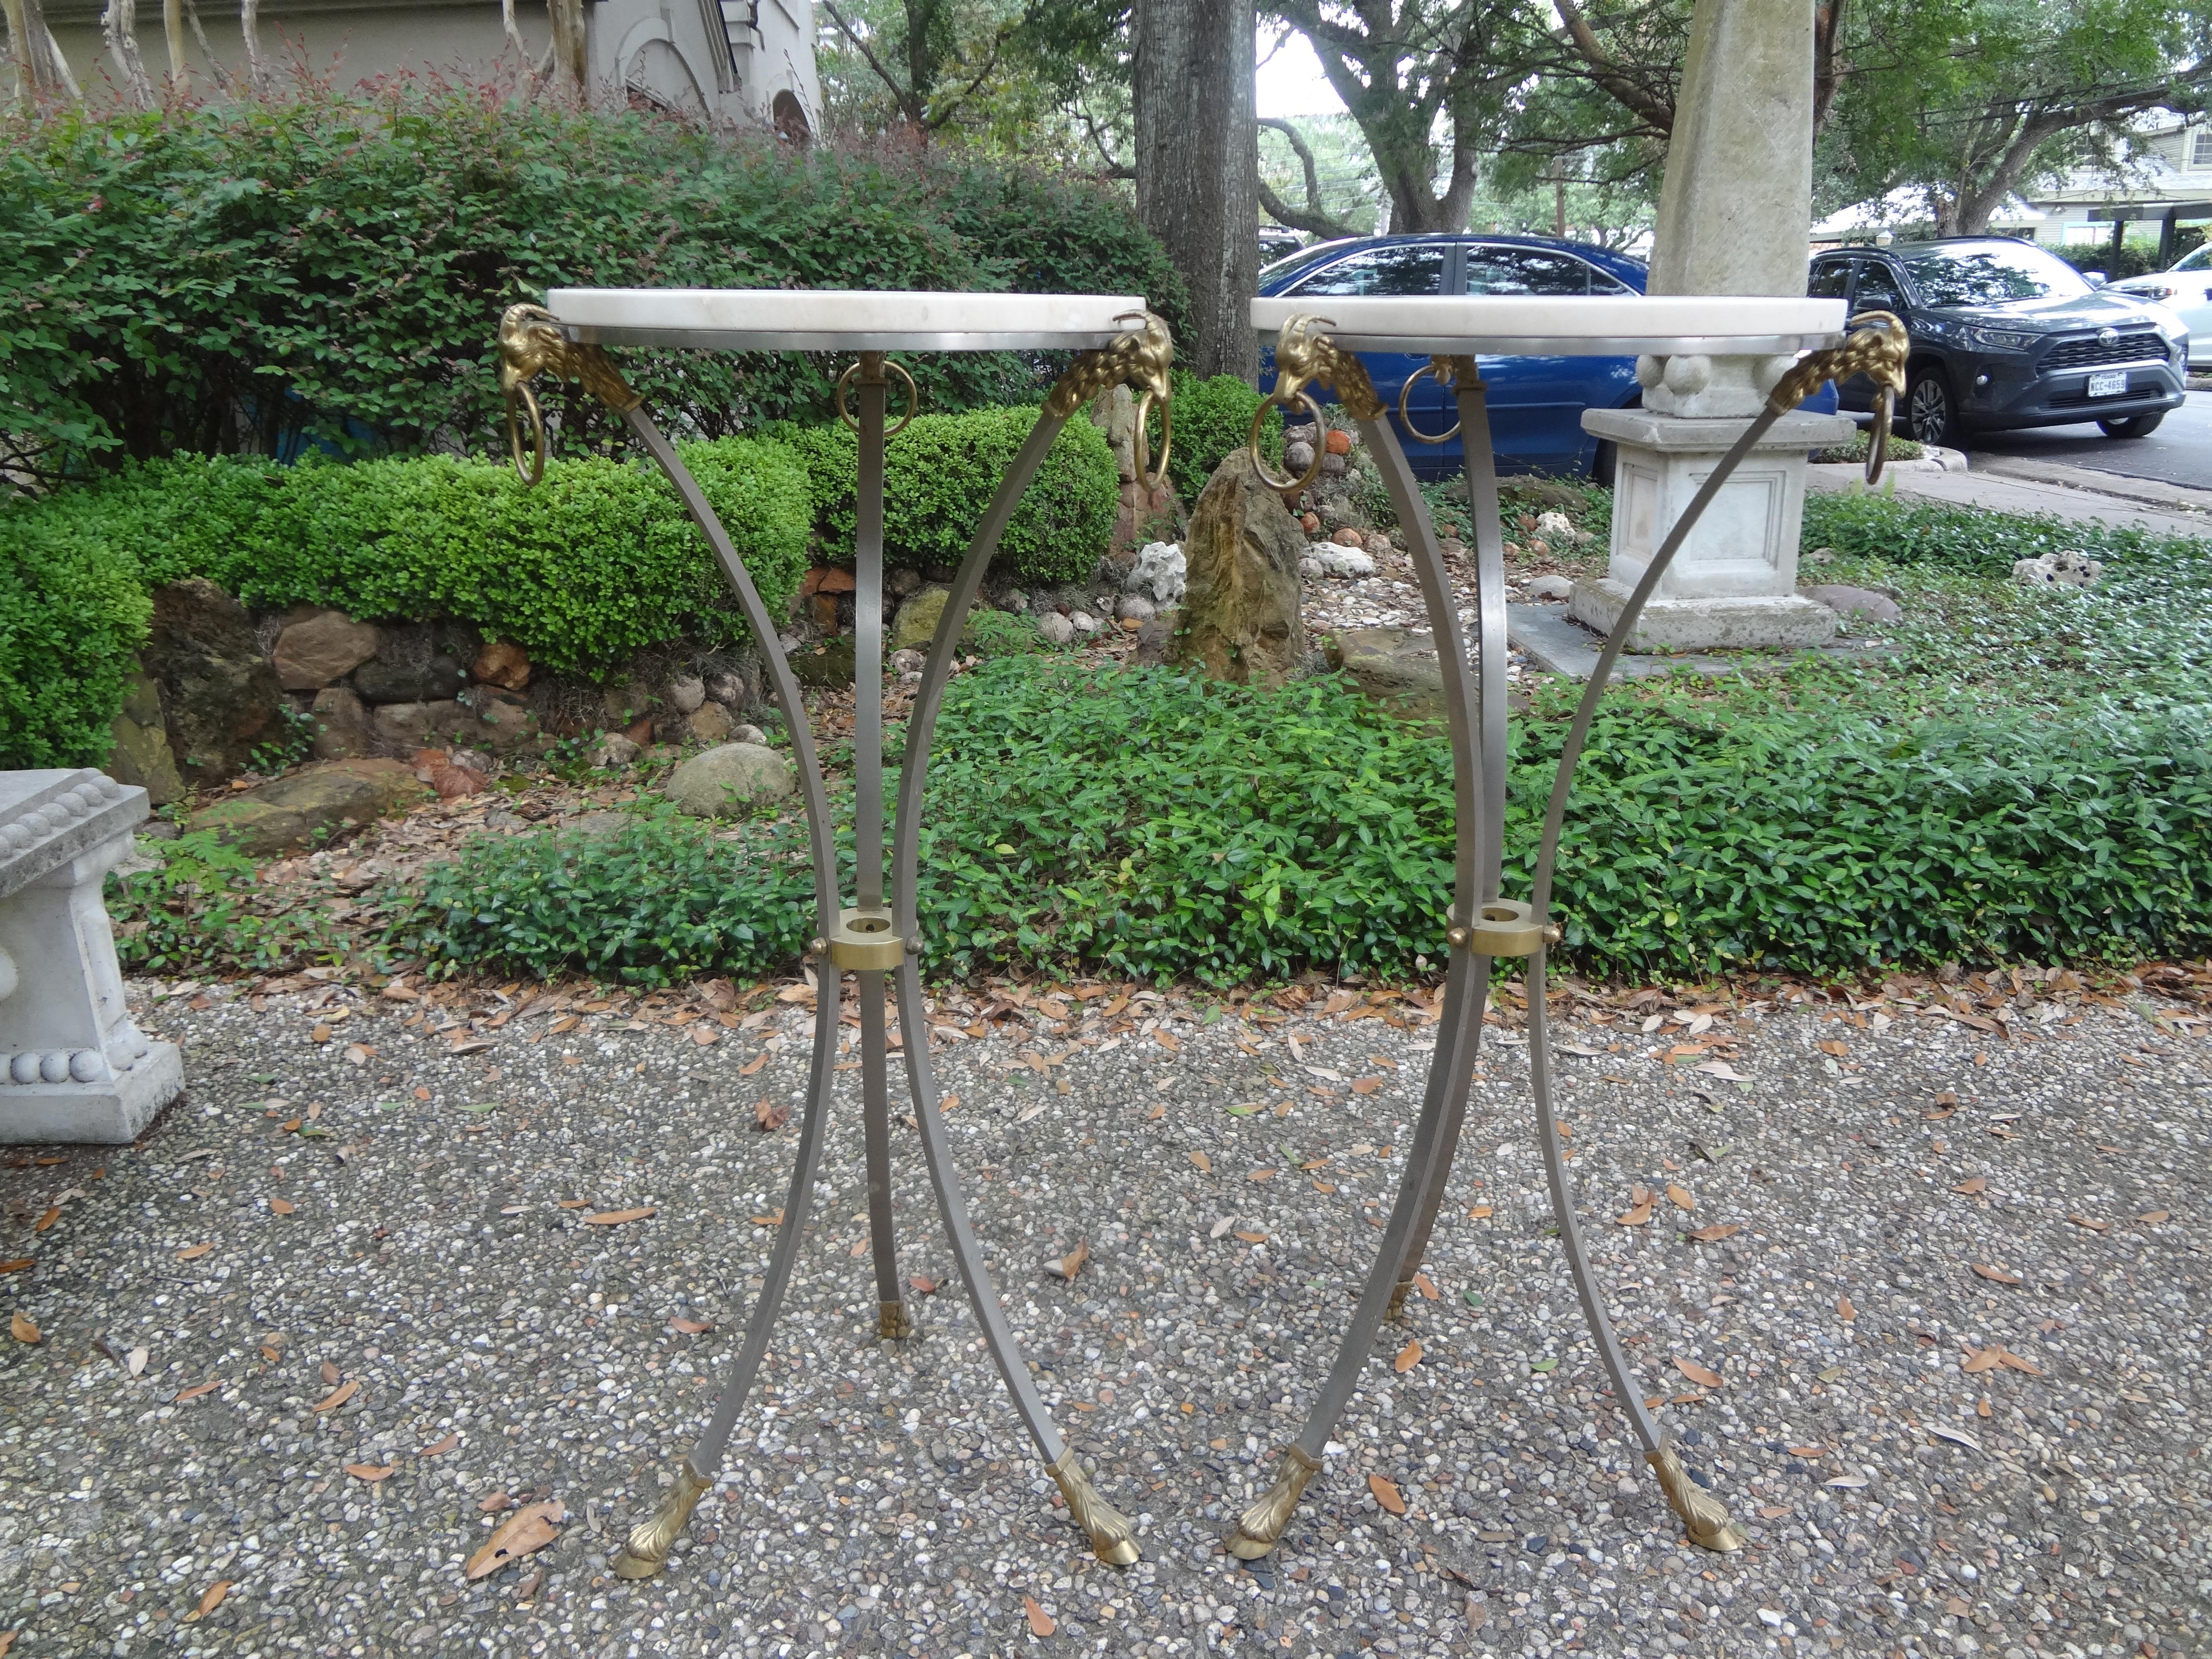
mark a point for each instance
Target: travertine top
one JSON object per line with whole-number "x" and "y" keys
{"x": 49, "y": 818}
{"x": 1572, "y": 325}
{"x": 841, "y": 319}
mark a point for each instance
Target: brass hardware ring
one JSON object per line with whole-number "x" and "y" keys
{"x": 1407, "y": 421}
{"x": 1150, "y": 475}
{"x": 536, "y": 471}
{"x": 1287, "y": 486}
{"x": 913, "y": 397}
{"x": 1878, "y": 438}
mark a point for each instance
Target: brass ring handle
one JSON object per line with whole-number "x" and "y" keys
{"x": 913, "y": 397}
{"x": 1288, "y": 486}
{"x": 1152, "y": 475}
{"x": 535, "y": 473}
{"x": 1878, "y": 437}
{"x": 1407, "y": 421}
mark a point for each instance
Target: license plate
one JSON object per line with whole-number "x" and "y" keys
{"x": 2108, "y": 386}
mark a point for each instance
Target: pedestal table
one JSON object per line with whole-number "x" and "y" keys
{"x": 1483, "y": 924}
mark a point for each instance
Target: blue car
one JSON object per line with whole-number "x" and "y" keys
{"x": 1536, "y": 404}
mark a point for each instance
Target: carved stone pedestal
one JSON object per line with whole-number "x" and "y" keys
{"x": 73, "y": 1066}
{"x": 1734, "y": 584}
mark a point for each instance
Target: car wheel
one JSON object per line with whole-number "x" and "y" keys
{"x": 1928, "y": 408}
{"x": 2133, "y": 426}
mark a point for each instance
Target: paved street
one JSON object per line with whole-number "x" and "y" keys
{"x": 372, "y": 1284}
{"x": 2179, "y": 452}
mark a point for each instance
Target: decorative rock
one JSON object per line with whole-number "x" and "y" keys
{"x": 219, "y": 696}
{"x": 1395, "y": 667}
{"x": 728, "y": 779}
{"x": 342, "y": 728}
{"x": 1136, "y": 608}
{"x": 625, "y": 705}
{"x": 73, "y": 1065}
{"x": 1333, "y": 463}
{"x": 1297, "y": 458}
{"x": 1845, "y": 600}
{"x": 902, "y": 581}
{"x": 1330, "y": 559}
{"x": 321, "y": 647}
{"x": 1377, "y": 544}
{"x": 1154, "y": 637}
{"x": 1240, "y": 620}
{"x": 2068, "y": 569}
{"x": 1552, "y": 585}
{"x": 1339, "y": 442}
{"x": 828, "y": 665}
{"x": 1160, "y": 574}
{"x": 1056, "y": 627}
{"x": 748, "y": 734}
{"x": 1310, "y": 523}
{"x": 1016, "y": 600}
{"x": 141, "y": 755}
{"x": 729, "y": 690}
{"x": 686, "y": 692}
{"x": 1083, "y": 623}
{"x": 708, "y": 723}
{"x": 502, "y": 663}
{"x": 505, "y": 724}
{"x": 284, "y": 814}
{"x": 410, "y": 665}
{"x": 403, "y": 728}
{"x": 614, "y": 749}
{"x": 1452, "y": 548}
{"x": 1348, "y": 538}
{"x": 915, "y": 625}
{"x": 829, "y": 579}
{"x": 1558, "y": 527}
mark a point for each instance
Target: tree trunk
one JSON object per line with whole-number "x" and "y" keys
{"x": 567, "y": 17}
{"x": 1198, "y": 156}
{"x": 173, "y": 30}
{"x": 119, "y": 26}
{"x": 249, "y": 29}
{"x": 39, "y": 71}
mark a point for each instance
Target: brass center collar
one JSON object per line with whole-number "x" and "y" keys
{"x": 864, "y": 942}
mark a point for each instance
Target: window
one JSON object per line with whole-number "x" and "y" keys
{"x": 1877, "y": 289}
{"x": 2199, "y": 149}
{"x": 1495, "y": 271}
{"x": 1990, "y": 273}
{"x": 1831, "y": 280}
{"x": 1403, "y": 268}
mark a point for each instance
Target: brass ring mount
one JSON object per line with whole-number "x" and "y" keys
{"x": 535, "y": 473}
{"x": 530, "y": 344}
{"x": 1884, "y": 409}
{"x": 1404, "y": 417}
{"x": 881, "y": 363}
{"x": 1151, "y": 474}
{"x": 865, "y": 942}
{"x": 1502, "y": 928}
{"x": 1288, "y": 486}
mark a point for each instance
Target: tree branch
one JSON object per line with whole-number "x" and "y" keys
{"x": 1608, "y": 74}
{"x": 900, "y": 95}
{"x": 1827, "y": 54}
{"x": 1113, "y": 169}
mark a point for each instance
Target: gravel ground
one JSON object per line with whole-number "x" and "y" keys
{"x": 1903, "y": 1490}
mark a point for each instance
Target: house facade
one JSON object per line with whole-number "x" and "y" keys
{"x": 750, "y": 61}
{"x": 2169, "y": 183}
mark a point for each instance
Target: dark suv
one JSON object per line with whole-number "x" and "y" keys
{"x": 2007, "y": 334}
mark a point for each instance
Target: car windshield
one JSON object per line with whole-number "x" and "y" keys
{"x": 1312, "y": 254}
{"x": 2199, "y": 260}
{"x": 1988, "y": 273}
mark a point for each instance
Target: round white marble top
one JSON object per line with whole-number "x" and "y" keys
{"x": 841, "y": 319}
{"x": 1665, "y": 325}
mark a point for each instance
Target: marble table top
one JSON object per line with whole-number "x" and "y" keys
{"x": 1667, "y": 325}
{"x": 841, "y": 319}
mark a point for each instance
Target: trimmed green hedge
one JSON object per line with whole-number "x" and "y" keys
{"x": 594, "y": 564}
{"x": 1213, "y": 420}
{"x": 1146, "y": 823}
{"x": 938, "y": 478}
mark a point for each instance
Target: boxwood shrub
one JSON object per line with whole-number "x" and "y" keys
{"x": 938, "y": 477}
{"x": 1212, "y": 421}
{"x": 72, "y": 614}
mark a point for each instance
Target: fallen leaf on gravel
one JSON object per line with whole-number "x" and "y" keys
{"x": 321, "y": 1034}
{"x": 440, "y": 1448}
{"x": 526, "y": 1529}
{"x": 753, "y": 1066}
{"x": 1541, "y": 1365}
{"x": 1029, "y": 1112}
{"x": 54, "y": 1214}
{"x": 358, "y": 1054}
{"x": 1972, "y": 1184}
{"x": 1203, "y": 1162}
{"x": 770, "y": 1116}
{"x": 1639, "y": 1209}
{"x": 1480, "y": 1213}
{"x": 135, "y": 1361}
{"x": 1220, "y": 1229}
{"x": 1954, "y": 1437}
{"x": 953, "y": 1099}
{"x": 1844, "y": 1311}
{"x": 1773, "y": 1511}
{"x": 704, "y": 1035}
{"x": 1713, "y": 1234}
{"x": 281, "y": 1206}
{"x": 21, "y": 1327}
{"x": 1167, "y": 1042}
{"x": 21, "y": 1264}
{"x": 1997, "y": 1354}
{"x": 575, "y": 1203}
{"x": 338, "y": 1396}
{"x": 1254, "y": 1239}
{"x": 2093, "y": 1226}
{"x": 1408, "y": 1357}
{"x": 194, "y": 1393}
{"x": 1995, "y": 1275}
{"x": 1806, "y": 1451}
{"x": 1258, "y": 1175}
{"x": 1041, "y": 1625}
{"x": 371, "y": 1473}
{"x": 1426, "y": 1287}
{"x": 1071, "y": 1264}
{"x": 1696, "y": 1373}
{"x": 1723, "y": 1070}
{"x": 923, "y": 1284}
{"x": 211, "y": 1599}
{"x": 495, "y": 1504}
{"x": 691, "y": 1326}
{"x": 2155, "y": 1219}
{"x": 193, "y": 1252}
{"x": 776, "y": 1220}
{"x": 1366, "y": 1085}
{"x": 566, "y": 1023}
{"x": 1679, "y": 1197}
{"x": 1385, "y": 1494}
{"x": 616, "y": 1218}
{"x": 1848, "y": 1482}
{"x": 1830, "y": 1046}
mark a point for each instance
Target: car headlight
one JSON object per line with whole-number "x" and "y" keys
{"x": 2151, "y": 291}
{"x": 2000, "y": 339}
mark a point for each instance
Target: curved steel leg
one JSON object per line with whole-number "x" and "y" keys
{"x": 649, "y": 1543}
{"x": 892, "y": 1320}
{"x": 1490, "y": 731}
{"x": 1459, "y": 1031}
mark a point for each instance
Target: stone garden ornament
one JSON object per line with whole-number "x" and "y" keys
{"x": 875, "y": 935}
{"x": 1483, "y": 925}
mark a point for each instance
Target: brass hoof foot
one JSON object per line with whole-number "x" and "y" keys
{"x": 1113, "y": 1540}
{"x": 646, "y": 1550}
{"x": 1704, "y": 1517}
{"x": 1261, "y": 1527}
{"x": 1395, "y": 1313}
{"x": 893, "y": 1323}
